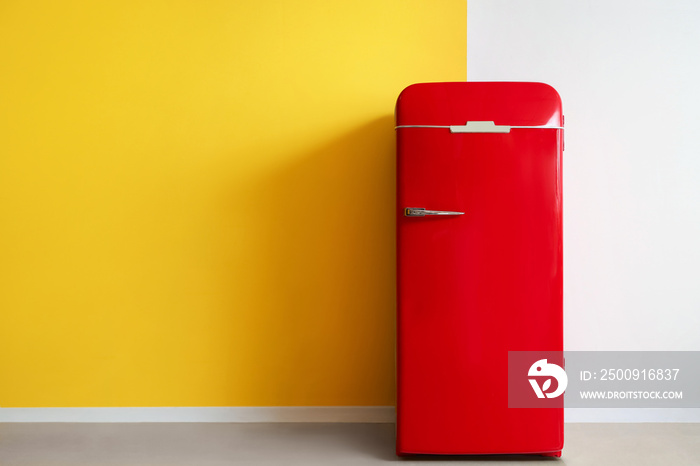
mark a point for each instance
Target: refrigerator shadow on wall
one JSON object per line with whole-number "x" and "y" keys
{"x": 317, "y": 309}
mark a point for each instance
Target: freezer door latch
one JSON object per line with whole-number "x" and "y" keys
{"x": 421, "y": 212}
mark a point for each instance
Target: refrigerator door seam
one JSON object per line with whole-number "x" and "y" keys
{"x": 480, "y": 127}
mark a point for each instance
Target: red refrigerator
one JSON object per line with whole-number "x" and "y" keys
{"x": 479, "y": 263}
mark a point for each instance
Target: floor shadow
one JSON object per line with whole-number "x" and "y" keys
{"x": 508, "y": 459}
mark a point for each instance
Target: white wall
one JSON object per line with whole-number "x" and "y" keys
{"x": 629, "y": 74}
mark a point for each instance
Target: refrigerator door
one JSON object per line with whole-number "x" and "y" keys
{"x": 472, "y": 287}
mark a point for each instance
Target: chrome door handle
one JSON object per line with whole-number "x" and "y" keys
{"x": 421, "y": 212}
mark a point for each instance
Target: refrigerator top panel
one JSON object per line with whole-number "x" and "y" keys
{"x": 455, "y": 103}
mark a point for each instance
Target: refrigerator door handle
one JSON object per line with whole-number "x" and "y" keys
{"x": 421, "y": 212}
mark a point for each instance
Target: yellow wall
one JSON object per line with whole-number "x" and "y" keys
{"x": 196, "y": 198}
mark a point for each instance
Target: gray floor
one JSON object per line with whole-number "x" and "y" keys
{"x": 315, "y": 444}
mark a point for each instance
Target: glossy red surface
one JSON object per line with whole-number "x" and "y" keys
{"x": 473, "y": 287}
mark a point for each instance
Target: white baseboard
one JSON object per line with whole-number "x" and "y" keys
{"x": 610, "y": 415}
{"x": 372, "y": 414}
